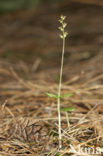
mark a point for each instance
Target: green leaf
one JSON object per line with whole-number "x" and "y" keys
{"x": 65, "y": 95}
{"x": 52, "y": 95}
{"x": 67, "y": 109}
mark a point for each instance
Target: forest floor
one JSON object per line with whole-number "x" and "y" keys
{"x": 30, "y": 55}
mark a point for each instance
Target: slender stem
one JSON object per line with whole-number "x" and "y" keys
{"x": 59, "y": 93}
{"x": 67, "y": 118}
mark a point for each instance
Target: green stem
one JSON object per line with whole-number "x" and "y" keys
{"x": 67, "y": 118}
{"x": 59, "y": 93}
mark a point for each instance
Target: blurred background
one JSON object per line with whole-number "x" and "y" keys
{"x": 29, "y": 34}
{"x": 10, "y": 5}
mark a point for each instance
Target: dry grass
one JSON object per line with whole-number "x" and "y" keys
{"x": 28, "y": 117}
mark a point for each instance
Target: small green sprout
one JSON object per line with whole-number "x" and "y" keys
{"x": 63, "y": 36}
